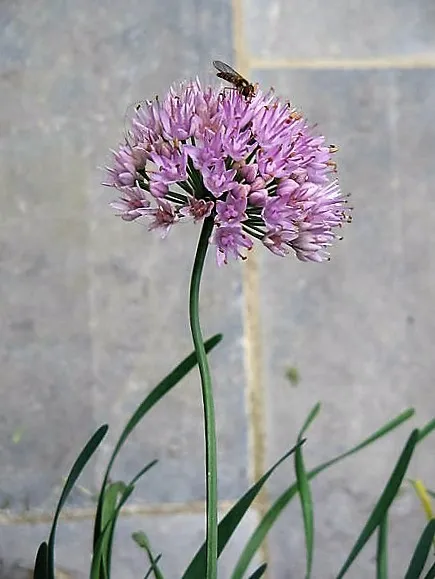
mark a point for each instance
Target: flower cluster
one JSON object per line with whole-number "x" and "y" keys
{"x": 254, "y": 165}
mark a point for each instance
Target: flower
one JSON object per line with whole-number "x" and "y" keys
{"x": 229, "y": 239}
{"x": 132, "y": 204}
{"x": 254, "y": 165}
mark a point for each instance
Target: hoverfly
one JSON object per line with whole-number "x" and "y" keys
{"x": 243, "y": 86}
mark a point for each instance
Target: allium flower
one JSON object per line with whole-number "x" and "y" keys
{"x": 253, "y": 164}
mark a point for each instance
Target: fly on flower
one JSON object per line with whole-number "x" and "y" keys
{"x": 243, "y": 86}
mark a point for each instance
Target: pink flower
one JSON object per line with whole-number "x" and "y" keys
{"x": 132, "y": 204}
{"x": 254, "y": 165}
{"x": 164, "y": 216}
{"x": 279, "y": 241}
{"x": 170, "y": 162}
{"x": 229, "y": 240}
{"x": 278, "y": 212}
{"x": 217, "y": 179}
{"x": 232, "y": 210}
{"x": 128, "y": 162}
{"x": 197, "y": 208}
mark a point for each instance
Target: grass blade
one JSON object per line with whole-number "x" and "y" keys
{"x": 259, "y": 572}
{"x": 143, "y": 471}
{"x": 421, "y": 552}
{"x": 424, "y": 497}
{"x": 304, "y": 491}
{"x": 100, "y": 550}
{"x": 391, "y": 425}
{"x": 151, "y": 569}
{"x": 74, "y": 474}
{"x": 230, "y": 522}
{"x": 151, "y": 399}
{"x": 41, "y": 562}
{"x": 283, "y": 500}
{"x": 431, "y": 573}
{"x": 382, "y": 550}
{"x": 142, "y": 541}
{"x": 110, "y": 502}
{"x": 384, "y": 501}
{"x": 115, "y": 496}
{"x": 310, "y": 418}
{"x": 426, "y": 430}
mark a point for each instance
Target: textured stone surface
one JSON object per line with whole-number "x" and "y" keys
{"x": 95, "y": 310}
{"x": 341, "y": 504}
{"x": 356, "y": 328}
{"x": 339, "y": 29}
{"x": 148, "y": 335}
{"x": 177, "y": 537}
{"x": 46, "y": 411}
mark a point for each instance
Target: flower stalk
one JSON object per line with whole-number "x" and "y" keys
{"x": 207, "y": 400}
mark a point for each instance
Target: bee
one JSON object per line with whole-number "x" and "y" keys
{"x": 243, "y": 86}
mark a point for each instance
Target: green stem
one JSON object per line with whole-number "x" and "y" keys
{"x": 207, "y": 400}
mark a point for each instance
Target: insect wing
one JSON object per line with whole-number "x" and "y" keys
{"x": 228, "y": 73}
{"x": 225, "y": 68}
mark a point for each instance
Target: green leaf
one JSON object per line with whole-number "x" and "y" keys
{"x": 74, "y": 474}
{"x": 431, "y": 573}
{"x": 384, "y": 501}
{"x": 382, "y": 550}
{"x": 110, "y": 502}
{"x": 426, "y": 430}
{"x": 151, "y": 569}
{"x": 304, "y": 491}
{"x": 259, "y": 572}
{"x": 143, "y": 471}
{"x": 151, "y": 399}
{"x": 421, "y": 552}
{"x": 131, "y": 485}
{"x": 283, "y": 500}
{"x": 230, "y": 522}
{"x": 142, "y": 541}
{"x": 114, "y": 498}
{"x": 41, "y": 562}
{"x": 100, "y": 554}
{"x": 391, "y": 425}
{"x": 311, "y": 416}
{"x": 423, "y": 496}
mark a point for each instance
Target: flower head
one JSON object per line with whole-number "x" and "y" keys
{"x": 253, "y": 164}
